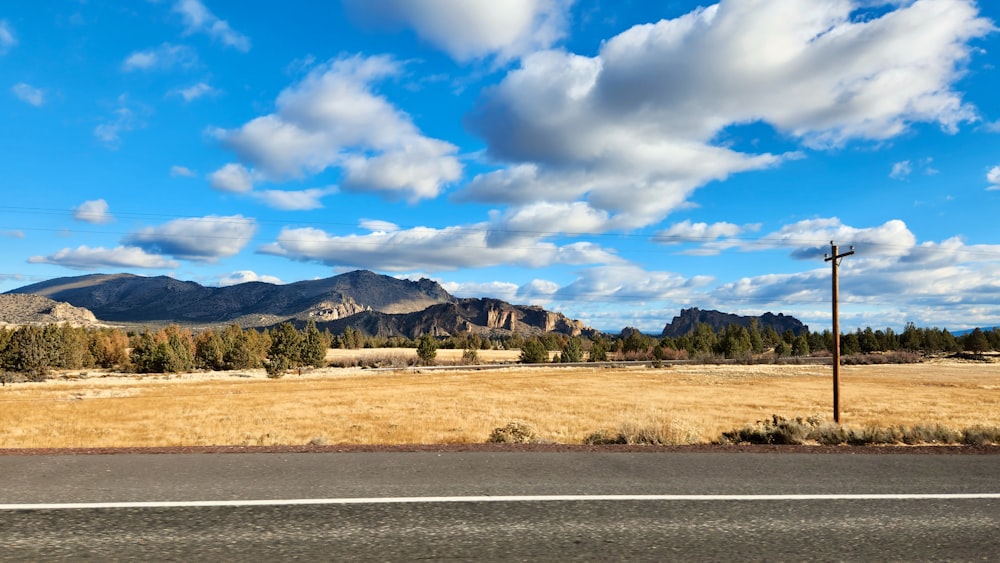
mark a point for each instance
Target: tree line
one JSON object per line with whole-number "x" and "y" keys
{"x": 33, "y": 351}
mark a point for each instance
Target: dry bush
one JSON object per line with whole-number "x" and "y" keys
{"x": 514, "y": 432}
{"x": 900, "y": 357}
{"x": 798, "y": 431}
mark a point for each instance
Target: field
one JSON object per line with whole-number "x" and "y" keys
{"x": 691, "y": 403}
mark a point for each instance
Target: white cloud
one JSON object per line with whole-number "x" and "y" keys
{"x": 498, "y": 290}
{"x": 124, "y": 118}
{"x": 7, "y": 37}
{"x": 473, "y": 29}
{"x": 993, "y": 177}
{"x": 94, "y": 211}
{"x": 29, "y": 94}
{"x": 197, "y": 238}
{"x": 628, "y": 283}
{"x": 199, "y": 19}
{"x": 333, "y": 118}
{"x": 424, "y": 248}
{"x": 232, "y": 177}
{"x": 86, "y": 258}
{"x": 12, "y": 234}
{"x": 379, "y": 226}
{"x": 245, "y": 276}
{"x": 196, "y": 91}
{"x": 297, "y": 200}
{"x": 686, "y": 231}
{"x": 901, "y": 170}
{"x": 631, "y": 131}
{"x": 182, "y": 171}
{"x": 163, "y": 57}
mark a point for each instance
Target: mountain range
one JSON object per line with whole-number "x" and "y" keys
{"x": 377, "y": 305}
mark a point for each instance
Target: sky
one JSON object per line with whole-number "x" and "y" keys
{"x": 613, "y": 161}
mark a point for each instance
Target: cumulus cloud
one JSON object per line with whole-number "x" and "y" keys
{"x": 810, "y": 239}
{"x": 196, "y": 91}
{"x": 87, "y": 258}
{"x": 632, "y": 130}
{"x": 164, "y": 57}
{"x": 29, "y": 94}
{"x": 199, "y": 19}
{"x": 95, "y": 211}
{"x": 473, "y": 29}
{"x": 993, "y": 177}
{"x": 505, "y": 291}
{"x": 424, "y": 248}
{"x": 686, "y": 231}
{"x": 293, "y": 200}
{"x": 7, "y": 37}
{"x": 204, "y": 239}
{"x": 334, "y": 118}
{"x": 629, "y": 283}
{"x": 246, "y": 276}
{"x": 232, "y": 177}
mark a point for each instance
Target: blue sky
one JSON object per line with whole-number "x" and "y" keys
{"x": 615, "y": 161}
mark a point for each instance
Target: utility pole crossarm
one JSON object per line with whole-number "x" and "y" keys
{"x": 834, "y": 258}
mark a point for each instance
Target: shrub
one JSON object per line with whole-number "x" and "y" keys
{"x": 778, "y": 430}
{"x": 427, "y": 349}
{"x": 981, "y": 435}
{"x": 470, "y": 356}
{"x": 602, "y": 437}
{"x": 277, "y": 367}
{"x": 514, "y": 433}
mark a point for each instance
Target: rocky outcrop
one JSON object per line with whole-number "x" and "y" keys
{"x": 38, "y": 310}
{"x": 689, "y": 319}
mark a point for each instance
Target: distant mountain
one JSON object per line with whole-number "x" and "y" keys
{"x": 370, "y": 302}
{"x": 689, "y": 319}
{"x": 968, "y": 330}
{"x": 481, "y": 316}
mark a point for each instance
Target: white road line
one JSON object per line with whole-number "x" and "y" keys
{"x": 518, "y": 498}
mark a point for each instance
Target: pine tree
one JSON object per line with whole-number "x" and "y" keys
{"x": 314, "y": 346}
{"x": 572, "y": 352}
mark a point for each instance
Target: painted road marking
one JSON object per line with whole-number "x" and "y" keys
{"x": 499, "y": 498}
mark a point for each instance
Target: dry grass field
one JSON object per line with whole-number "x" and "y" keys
{"x": 692, "y": 403}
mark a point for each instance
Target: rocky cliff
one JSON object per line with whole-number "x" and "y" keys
{"x": 689, "y": 319}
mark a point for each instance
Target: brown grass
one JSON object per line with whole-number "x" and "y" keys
{"x": 354, "y": 406}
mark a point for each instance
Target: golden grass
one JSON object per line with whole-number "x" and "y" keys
{"x": 353, "y": 406}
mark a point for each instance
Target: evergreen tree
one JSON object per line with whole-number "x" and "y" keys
{"x": 286, "y": 345}
{"x": 599, "y": 350}
{"x": 704, "y": 339}
{"x": 533, "y": 352}
{"x": 976, "y": 342}
{"x": 572, "y": 352}
{"x": 800, "y": 347}
{"x": 25, "y": 353}
{"x": 734, "y": 342}
{"x": 756, "y": 340}
{"x": 314, "y": 346}
{"x": 209, "y": 351}
{"x": 427, "y": 349}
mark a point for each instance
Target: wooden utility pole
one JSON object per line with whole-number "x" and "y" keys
{"x": 834, "y": 258}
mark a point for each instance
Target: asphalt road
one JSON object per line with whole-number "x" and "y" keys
{"x": 476, "y": 506}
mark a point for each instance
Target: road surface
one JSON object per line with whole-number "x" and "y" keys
{"x": 493, "y": 506}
